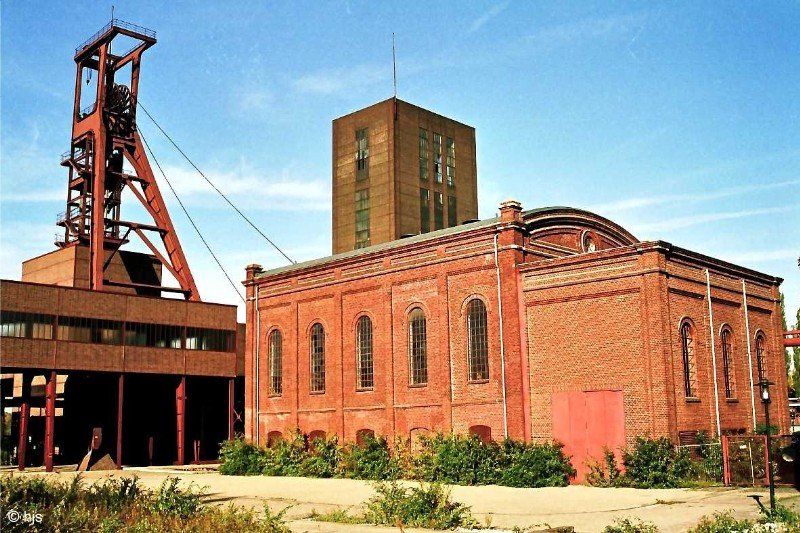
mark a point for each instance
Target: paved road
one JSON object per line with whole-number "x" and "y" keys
{"x": 588, "y": 509}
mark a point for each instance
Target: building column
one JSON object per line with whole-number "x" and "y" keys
{"x": 50, "y": 420}
{"x": 231, "y": 406}
{"x": 120, "y": 401}
{"x": 24, "y": 420}
{"x": 180, "y": 410}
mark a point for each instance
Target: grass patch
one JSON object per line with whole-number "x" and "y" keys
{"x": 121, "y": 505}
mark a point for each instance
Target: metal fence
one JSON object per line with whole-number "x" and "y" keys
{"x": 744, "y": 460}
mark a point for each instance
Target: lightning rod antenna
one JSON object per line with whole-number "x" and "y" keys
{"x": 394, "y": 68}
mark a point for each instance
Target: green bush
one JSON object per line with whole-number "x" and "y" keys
{"x": 627, "y": 525}
{"x": 534, "y": 465}
{"x": 722, "y": 523}
{"x": 241, "y": 458}
{"x": 655, "y": 463}
{"x": 424, "y": 506}
{"x": 373, "y": 460}
{"x": 441, "y": 459}
{"x": 709, "y": 467}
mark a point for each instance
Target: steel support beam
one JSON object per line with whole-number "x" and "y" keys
{"x": 180, "y": 411}
{"x": 230, "y": 408}
{"x": 50, "y": 420}
{"x": 24, "y": 420}
{"x": 120, "y": 405}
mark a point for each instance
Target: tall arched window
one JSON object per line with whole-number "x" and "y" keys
{"x": 761, "y": 356}
{"x": 317, "y": 346}
{"x": 364, "y": 361}
{"x": 417, "y": 349}
{"x": 687, "y": 353}
{"x": 275, "y": 363}
{"x": 727, "y": 362}
{"x": 478, "y": 348}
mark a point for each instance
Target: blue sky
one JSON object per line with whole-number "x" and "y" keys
{"x": 680, "y": 122}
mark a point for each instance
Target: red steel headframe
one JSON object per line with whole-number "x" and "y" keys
{"x": 103, "y": 134}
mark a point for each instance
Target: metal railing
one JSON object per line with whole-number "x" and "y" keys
{"x": 118, "y": 24}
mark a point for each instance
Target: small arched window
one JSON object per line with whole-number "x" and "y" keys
{"x": 363, "y": 436}
{"x": 275, "y": 363}
{"x": 761, "y": 356}
{"x": 688, "y": 357}
{"x": 727, "y": 362}
{"x": 478, "y": 348}
{"x": 317, "y": 348}
{"x": 273, "y": 438}
{"x": 417, "y": 347}
{"x": 364, "y": 360}
{"x": 484, "y": 433}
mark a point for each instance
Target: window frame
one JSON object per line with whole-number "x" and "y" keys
{"x": 728, "y": 367}
{"x": 316, "y": 339}
{"x": 275, "y": 379}
{"x": 417, "y": 347}
{"x": 688, "y": 359}
{"x": 761, "y": 355}
{"x": 481, "y": 374}
{"x": 364, "y": 328}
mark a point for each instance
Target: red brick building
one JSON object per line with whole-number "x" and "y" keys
{"x": 553, "y": 323}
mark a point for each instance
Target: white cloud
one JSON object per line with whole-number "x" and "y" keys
{"x": 588, "y": 28}
{"x": 488, "y": 15}
{"x": 648, "y": 201}
{"x": 341, "y": 80}
{"x": 694, "y": 220}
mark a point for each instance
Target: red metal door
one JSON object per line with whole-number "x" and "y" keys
{"x": 587, "y": 422}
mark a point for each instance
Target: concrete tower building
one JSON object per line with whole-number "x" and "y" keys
{"x": 400, "y": 170}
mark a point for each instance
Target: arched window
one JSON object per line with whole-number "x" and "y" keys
{"x": 273, "y": 438}
{"x": 687, "y": 353}
{"x": 364, "y": 361}
{"x": 478, "y": 348}
{"x": 363, "y": 436}
{"x": 761, "y": 356}
{"x": 317, "y": 348}
{"x": 727, "y": 362}
{"x": 275, "y": 363}
{"x": 484, "y": 433}
{"x": 417, "y": 350}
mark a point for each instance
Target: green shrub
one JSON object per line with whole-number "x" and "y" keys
{"x": 175, "y": 501}
{"x": 655, "y": 463}
{"x": 722, "y": 523}
{"x": 322, "y": 459}
{"x": 455, "y": 459}
{"x": 606, "y": 474}
{"x": 373, "y": 459}
{"x": 534, "y": 465}
{"x": 709, "y": 467}
{"x": 627, "y": 525}
{"x": 426, "y": 506}
{"x": 241, "y": 458}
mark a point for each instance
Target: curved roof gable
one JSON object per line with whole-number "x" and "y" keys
{"x": 571, "y": 230}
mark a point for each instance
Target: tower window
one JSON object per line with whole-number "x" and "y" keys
{"x": 362, "y": 154}
{"x": 452, "y": 214}
{"x": 437, "y": 157}
{"x": 438, "y": 210}
{"x": 423, "y": 154}
{"x": 364, "y": 361}
{"x": 317, "y": 349}
{"x": 451, "y": 162}
{"x": 417, "y": 348}
{"x": 275, "y": 363}
{"x": 424, "y": 210}
{"x": 687, "y": 352}
{"x": 362, "y": 218}
{"x": 478, "y": 341}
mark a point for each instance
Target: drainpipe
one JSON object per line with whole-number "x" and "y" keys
{"x": 713, "y": 349}
{"x": 749, "y": 353}
{"x": 502, "y": 344}
{"x": 256, "y": 392}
